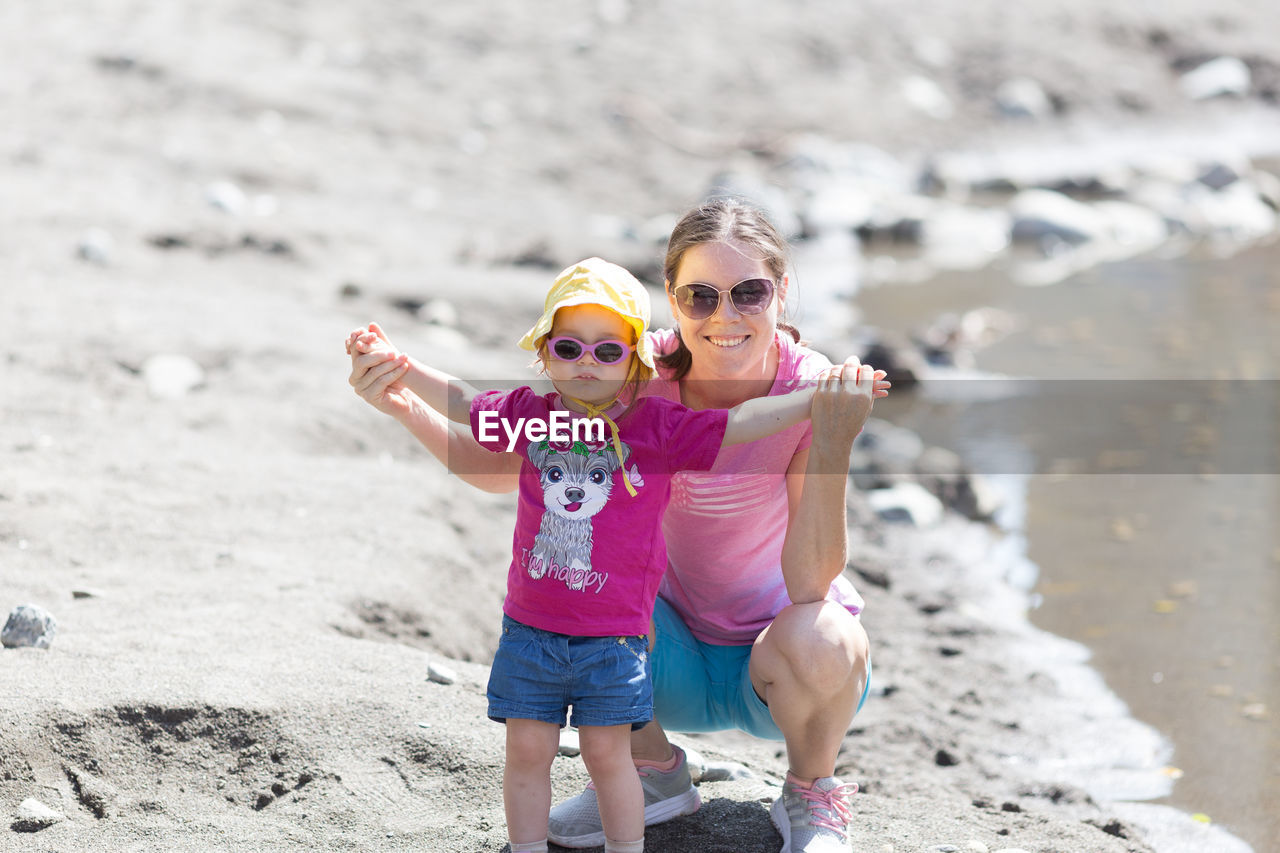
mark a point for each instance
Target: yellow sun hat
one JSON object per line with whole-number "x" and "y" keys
{"x": 596, "y": 282}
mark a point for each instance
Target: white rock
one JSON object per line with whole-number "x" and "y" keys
{"x": 439, "y": 312}
{"x": 725, "y": 771}
{"x": 906, "y": 501}
{"x": 961, "y": 237}
{"x": 96, "y": 246}
{"x": 226, "y": 196}
{"x": 569, "y": 745}
{"x": 441, "y": 674}
{"x": 1225, "y": 75}
{"x": 1023, "y": 97}
{"x": 927, "y": 97}
{"x": 34, "y": 815}
{"x": 171, "y": 377}
{"x": 1130, "y": 228}
{"x": 974, "y": 847}
{"x": 28, "y": 626}
{"x": 1039, "y": 214}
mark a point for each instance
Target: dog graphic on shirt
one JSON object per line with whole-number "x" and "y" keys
{"x": 577, "y": 479}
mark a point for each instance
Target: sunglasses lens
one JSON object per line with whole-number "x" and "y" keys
{"x": 566, "y": 349}
{"x": 608, "y": 353}
{"x": 752, "y": 296}
{"x": 697, "y": 301}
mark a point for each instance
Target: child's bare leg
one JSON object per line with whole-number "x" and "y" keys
{"x": 526, "y": 781}
{"x": 606, "y": 751}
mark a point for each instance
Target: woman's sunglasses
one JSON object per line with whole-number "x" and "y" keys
{"x": 565, "y": 348}
{"x": 700, "y": 301}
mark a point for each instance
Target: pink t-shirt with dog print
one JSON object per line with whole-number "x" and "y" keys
{"x": 587, "y": 556}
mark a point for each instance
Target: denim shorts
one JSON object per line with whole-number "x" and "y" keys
{"x": 702, "y": 687}
{"x": 536, "y": 675}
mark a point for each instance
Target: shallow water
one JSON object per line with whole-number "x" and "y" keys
{"x": 1153, "y": 503}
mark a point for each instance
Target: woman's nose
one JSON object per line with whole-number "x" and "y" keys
{"x": 726, "y": 306}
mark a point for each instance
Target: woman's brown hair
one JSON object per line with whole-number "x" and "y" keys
{"x": 721, "y": 220}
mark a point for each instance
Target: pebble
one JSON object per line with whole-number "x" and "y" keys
{"x": 908, "y": 502}
{"x": 1023, "y": 97}
{"x": 226, "y": 196}
{"x": 171, "y": 377}
{"x": 695, "y": 762}
{"x": 726, "y": 771}
{"x": 441, "y": 674}
{"x": 28, "y": 626}
{"x": 1225, "y": 75}
{"x": 975, "y": 847}
{"x": 96, "y": 246}
{"x": 1254, "y": 711}
{"x": 33, "y": 816}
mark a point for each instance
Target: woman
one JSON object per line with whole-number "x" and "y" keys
{"x": 756, "y": 628}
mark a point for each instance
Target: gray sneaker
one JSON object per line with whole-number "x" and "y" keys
{"x": 814, "y": 821}
{"x": 576, "y": 821}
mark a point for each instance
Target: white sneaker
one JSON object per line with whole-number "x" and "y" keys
{"x": 814, "y": 820}
{"x": 576, "y": 821}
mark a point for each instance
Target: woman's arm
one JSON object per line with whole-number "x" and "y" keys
{"x": 815, "y": 548}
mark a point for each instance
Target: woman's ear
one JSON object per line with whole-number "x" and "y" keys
{"x": 671, "y": 302}
{"x": 783, "y": 285}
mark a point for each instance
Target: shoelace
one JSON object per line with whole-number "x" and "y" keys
{"x": 834, "y": 802}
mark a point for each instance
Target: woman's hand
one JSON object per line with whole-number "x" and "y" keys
{"x": 843, "y": 401}
{"x": 376, "y": 371}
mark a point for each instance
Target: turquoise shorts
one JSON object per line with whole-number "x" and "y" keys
{"x": 702, "y": 687}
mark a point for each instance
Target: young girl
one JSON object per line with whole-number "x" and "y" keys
{"x": 588, "y": 550}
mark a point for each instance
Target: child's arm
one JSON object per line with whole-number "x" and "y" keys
{"x": 763, "y": 416}
{"x": 447, "y": 394}
{"x": 382, "y": 378}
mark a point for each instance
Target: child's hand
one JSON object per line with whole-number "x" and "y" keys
{"x": 843, "y": 400}
{"x": 371, "y": 339}
{"x": 376, "y": 370}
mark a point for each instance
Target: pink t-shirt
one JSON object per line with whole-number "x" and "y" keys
{"x": 587, "y": 557}
{"x": 724, "y": 528}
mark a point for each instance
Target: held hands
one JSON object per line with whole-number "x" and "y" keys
{"x": 376, "y": 370}
{"x": 843, "y": 399}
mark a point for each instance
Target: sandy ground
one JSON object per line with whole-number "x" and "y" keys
{"x": 252, "y": 577}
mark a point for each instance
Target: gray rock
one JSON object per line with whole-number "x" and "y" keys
{"x": 28, "y": 626}
{"x": 33, "y": 816}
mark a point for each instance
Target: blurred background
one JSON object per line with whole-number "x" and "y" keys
{"x": 978, "y": 196}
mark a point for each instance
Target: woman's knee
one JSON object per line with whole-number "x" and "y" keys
{"x": 821, "y": 641}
